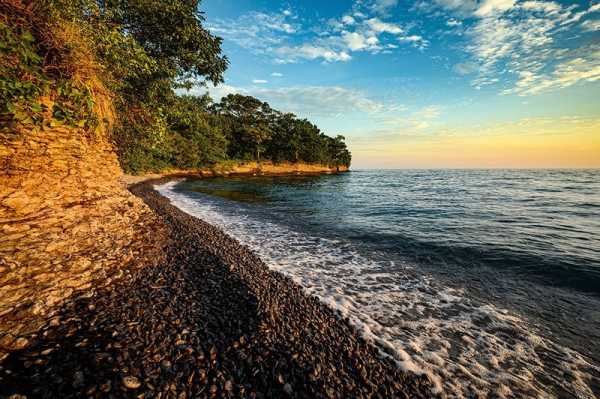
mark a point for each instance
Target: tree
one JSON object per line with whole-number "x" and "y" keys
{"x": 137, "y": 53}
{"x": 171, "y": 33}
{"x": 250, "y": 124}
{"x": 147, "y": 49}
{"x": 340, "y": 156}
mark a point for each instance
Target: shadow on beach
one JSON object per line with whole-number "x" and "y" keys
{"x": 212, "y": 321}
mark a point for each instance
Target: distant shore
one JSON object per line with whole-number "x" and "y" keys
{"x": 210, "y": 321}
{"x": 245, "y": 169}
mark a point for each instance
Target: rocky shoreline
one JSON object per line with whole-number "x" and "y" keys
{"x": 211, "y": 320}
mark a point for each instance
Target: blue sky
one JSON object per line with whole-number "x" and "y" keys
{"x": 415, "y": 83}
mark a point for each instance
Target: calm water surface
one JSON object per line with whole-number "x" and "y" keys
{"x": 486, "y": 281}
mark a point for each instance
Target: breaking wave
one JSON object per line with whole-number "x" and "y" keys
{"x": 466, "y": 347}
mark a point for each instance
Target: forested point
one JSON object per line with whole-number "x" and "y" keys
{"x": 61, "y": 59}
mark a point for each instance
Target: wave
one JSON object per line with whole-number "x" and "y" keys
{"x": 466, "y": 348}
{"x": 581, "y": 272}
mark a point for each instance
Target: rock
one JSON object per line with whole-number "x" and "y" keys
{"x": 78, "y": 379}
{"x": 287, "y": 388}
{"x": 106, "y": 387}
{"x": 47, "y": 351}
{"x": 189, "y": 325}
{"x": 165, "y": 364}
{"x": 131, "y": 382}
{"x": 19, "y": 344}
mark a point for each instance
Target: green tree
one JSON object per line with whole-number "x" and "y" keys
{"x": 249, "y": 126}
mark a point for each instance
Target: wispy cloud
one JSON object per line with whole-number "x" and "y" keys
{"x": 257, "y": 31}
{"x": 283, "y": 36}
{"x": 383, "y": 6}
{"x": 411, "y": 123}
{"x": 591, "y": 25}
{"x": 584, "y": 68}
{"x": 259, "y": 81}
{"x": 286, "y": 54}
{"x": 465, "y": 68}
{"x": 517, "y": 43}
{"x": 304, "y": 100}
{"x": 320, "y": 100}
{"x": 491, "y": 7}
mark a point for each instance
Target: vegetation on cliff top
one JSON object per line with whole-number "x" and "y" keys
{"x": 117, "y": 65}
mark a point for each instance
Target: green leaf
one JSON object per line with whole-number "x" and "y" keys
{"x": 36, "y": 107}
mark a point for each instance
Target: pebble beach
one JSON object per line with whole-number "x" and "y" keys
{"x": 211, "y": 320}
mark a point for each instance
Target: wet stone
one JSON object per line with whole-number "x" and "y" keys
{"x": 130, "y": 382}
{"x": 193, "y": 326}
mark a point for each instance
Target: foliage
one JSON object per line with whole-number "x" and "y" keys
{"x": 34, "y": 90}
{"x": 61, "y": 61}
{"x": 22, "y": 81}
{"x": 254, "y": 128}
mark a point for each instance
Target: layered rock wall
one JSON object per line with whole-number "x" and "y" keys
{"x": 67, "y": 226}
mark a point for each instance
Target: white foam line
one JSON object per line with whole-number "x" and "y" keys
{"x": 465, "y": 348}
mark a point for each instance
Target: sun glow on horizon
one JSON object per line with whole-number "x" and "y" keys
{"x": 548, "y": 143}
{"x": 417, "y": 84}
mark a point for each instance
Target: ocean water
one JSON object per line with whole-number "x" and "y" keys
{"x": 486, "y": 281}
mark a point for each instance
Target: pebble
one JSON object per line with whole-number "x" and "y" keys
{"x": 78, "y": 379}
{"x": 131, "y": 382}
{"x": 194, "y": 324}
{"x": 106, "y": 387}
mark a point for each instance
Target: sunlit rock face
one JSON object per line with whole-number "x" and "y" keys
{"x": 67, "y": 225}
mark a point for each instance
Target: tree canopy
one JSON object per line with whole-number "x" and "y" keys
{"x": 143, "y": 51}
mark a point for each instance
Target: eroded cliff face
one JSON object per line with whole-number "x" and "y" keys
{"x": 67, "y": 226}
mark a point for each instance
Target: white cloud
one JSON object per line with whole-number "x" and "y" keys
{"x": 412, "y": 38}
{"x": 277, "y": 74}
{"x": 346, "y": 36}
{"x": 358, "y": 41}
{"x": 260, "y": 81}
{"x": 465, "y": 68}
{"x": 543, "y": 6}
{"x": 490, "y": 7}
{"x": 591, "y": 25}
{"x": 463, "y": 8}
{"x": 256, "y": 31}
{"x": 521, "y": 41}
{"x": 278, "y": 35}
{"x": 310, "y": 52}
{"x": 217, "y": 92}
{"x": 594, "y": 8}
{"x": 384, "y": 27}
{"x": 585, "y": 68}
{"x": 319, "y": 100}
{"x": 348, "y": 20}
{"x": 383, "y": 6}
{"x": 453, "y": 22}
{"x": 305, "y": 101}
{"x": 355, "y": 41}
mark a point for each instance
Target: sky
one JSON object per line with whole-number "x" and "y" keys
{"x": 425, "y": 84}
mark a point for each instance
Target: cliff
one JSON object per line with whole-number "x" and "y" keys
{"x": 250, "y": 169}
{"x": 67, "y": 224}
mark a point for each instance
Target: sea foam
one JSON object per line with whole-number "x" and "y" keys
{"x": 466, "y": 348}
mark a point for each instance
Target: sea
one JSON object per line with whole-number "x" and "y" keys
{"x": 485, "y": 281}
